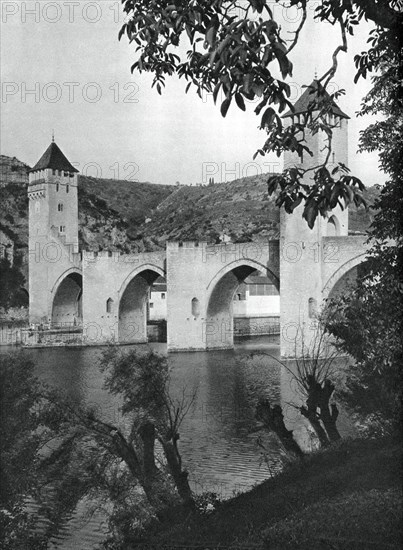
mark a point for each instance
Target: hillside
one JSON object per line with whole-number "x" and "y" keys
{"x": 132, "y": 200}
{"x": 108, "y": 210}
{"x": 241, "y": 210}
{"x": 345, "y": 497}
{"x": 132, "y": 216}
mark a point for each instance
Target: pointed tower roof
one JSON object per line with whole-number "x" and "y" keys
{"x": 55, "y": 159}
{"x": 313, "y": 96}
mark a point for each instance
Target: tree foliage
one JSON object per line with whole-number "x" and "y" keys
{"x": 368, "y": 321}
{"x": 22, "y": 436}
{"x": 67, "y": 453}
{"x": 236, "y": 48}
{"x": 313, "y": 374}
{"x": 12, "y": 282}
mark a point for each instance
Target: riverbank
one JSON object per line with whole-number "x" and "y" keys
{"x": 344, "y": 498}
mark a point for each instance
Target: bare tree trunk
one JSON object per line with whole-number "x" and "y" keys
{"x": 318, "y": 411}
{"x": 313, "y": 419}
{"x": 329, "y": 413}
{"x": 156, "y": 489}
{"x": 147, "y": 434}
{"x": 273, "y": 419}
{"x": 175, "y": 467}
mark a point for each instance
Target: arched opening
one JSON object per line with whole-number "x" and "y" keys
{"x": 157, "y": 311}
{"x": 67, "y": 302}
{"x": 348, "y": 281}
{"x": 142, "y": 309}
{"x": 109, "y": 305}
{"x": 195, "y": 308}
{"x": 244, "y": 302}
{"x": 333, "y": 227}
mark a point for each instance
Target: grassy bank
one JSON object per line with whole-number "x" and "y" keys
{"x": 347, "y": 497}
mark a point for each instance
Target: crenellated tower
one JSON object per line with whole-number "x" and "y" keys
{"x": 52, "y": 192}
{"x": 53, "y": 228}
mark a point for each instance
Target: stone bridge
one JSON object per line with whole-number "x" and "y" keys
{"x": 107, "y": 293}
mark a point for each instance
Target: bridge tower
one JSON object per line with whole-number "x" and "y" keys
{"x": 53, "y": 238}
{"x": 303, "y": 251}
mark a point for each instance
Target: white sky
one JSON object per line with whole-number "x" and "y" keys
{"x": 112, "y": 124}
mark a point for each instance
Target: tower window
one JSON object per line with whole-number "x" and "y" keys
{"x": 162, "y": 295}
{"x": 57, "y": 187}
{"x": 333, "y": 227}
{"x": 195, "y": 307}
{"x": 151, "y": 305}
{"x": 67, "y": 188}
{"x": 62, "y": 229}
{"x": 109, "y": 305}
{"x": 60, "y": 207}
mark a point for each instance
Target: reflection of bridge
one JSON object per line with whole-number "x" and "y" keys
{"x": 107, "y": 292}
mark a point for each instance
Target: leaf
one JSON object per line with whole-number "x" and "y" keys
{"x": 268, "y": 117}
{"x": 283, "y": 61}
{"x": 211, "y": 35}
{"x": 247, "y": 81}
{"x": 122, "y": 31}
{"x": 216, "y": 90}
{"x": 225, "y": 106}
{"x": 310, "y": 213}
{"x": 239, "y": 101}
{"x": 296, "y": 203}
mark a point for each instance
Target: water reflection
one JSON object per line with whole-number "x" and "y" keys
{"x": 218, "y": 438}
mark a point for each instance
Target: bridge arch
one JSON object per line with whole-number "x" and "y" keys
{"x": 341, "y": 272}
{"x": 220, "y": 295}
{"x": 67, "y": 299}
{"x": 253, "y": 264}
{"x": 133, "y": 303}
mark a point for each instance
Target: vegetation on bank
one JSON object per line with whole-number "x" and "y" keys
{"x": 345, "y": 497}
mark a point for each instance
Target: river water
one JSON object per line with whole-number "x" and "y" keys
{"x": 219, "y": 436}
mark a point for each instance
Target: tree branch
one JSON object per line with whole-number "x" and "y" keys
{"x": 341, "y": 48}
{"x": 297, "y": 32}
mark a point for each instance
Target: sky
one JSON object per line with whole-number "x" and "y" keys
{"x": 64, "y": 70}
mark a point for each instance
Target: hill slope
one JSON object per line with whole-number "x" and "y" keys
{"x": 345, "y": 497}
{"x": 131, "y": 216}
{"x": 240, "y": 209}
{"x": 108, "y": 209}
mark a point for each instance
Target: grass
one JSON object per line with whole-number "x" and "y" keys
{"x": 346, "y": 497}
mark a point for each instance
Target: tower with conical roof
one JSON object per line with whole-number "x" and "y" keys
{"x": 315, "y": 97}
{"x": 305, "y": 250}
{"x": 52, "y": 192}
{"x": 53, "y": 227}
